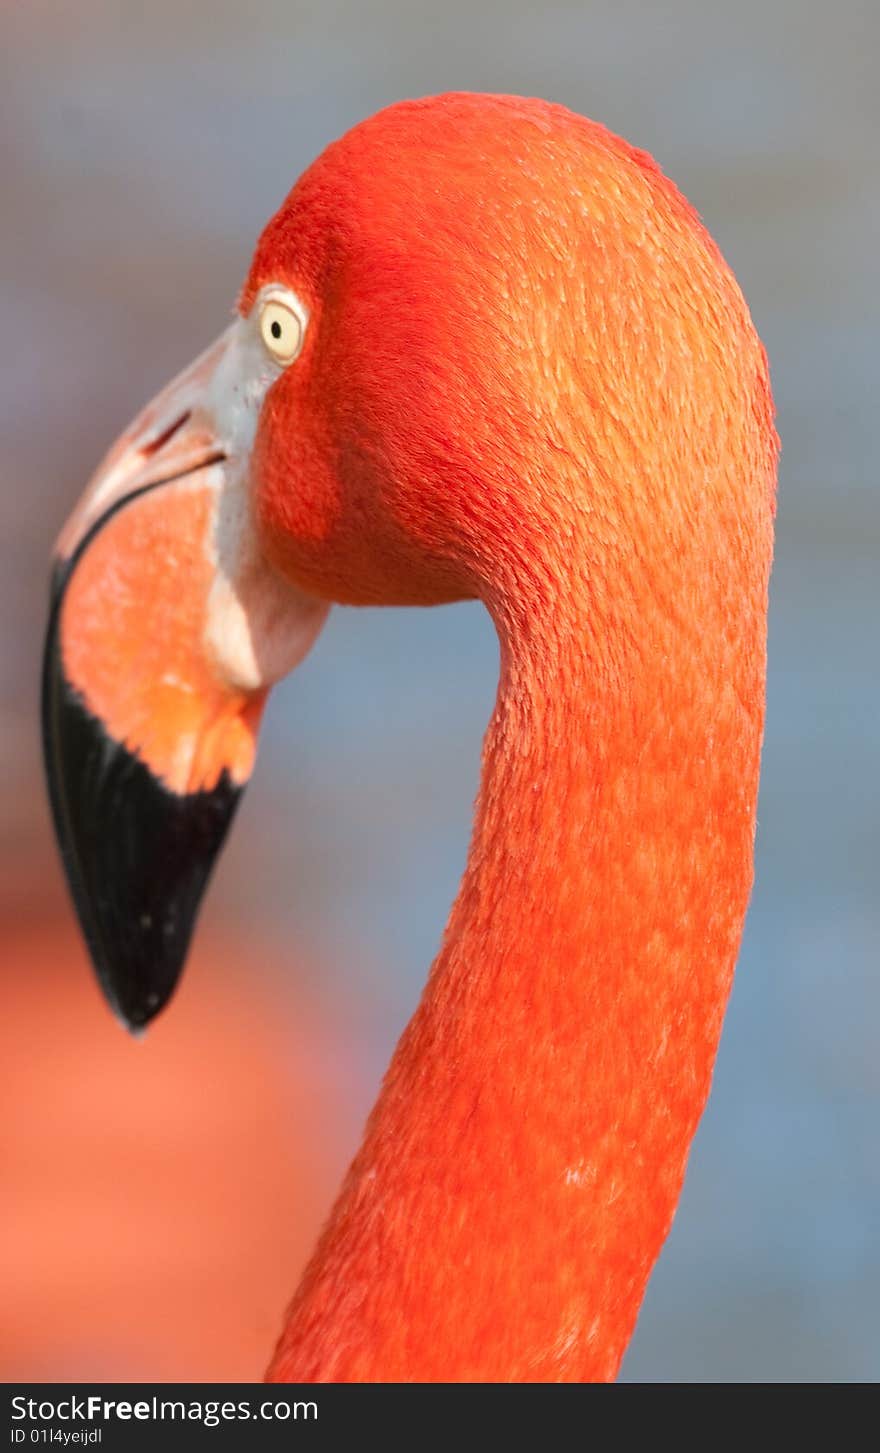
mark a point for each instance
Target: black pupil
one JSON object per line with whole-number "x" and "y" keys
{"x": 275, "y": 328}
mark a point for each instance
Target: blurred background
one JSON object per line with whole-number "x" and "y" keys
{"x": 159, "y": 1198}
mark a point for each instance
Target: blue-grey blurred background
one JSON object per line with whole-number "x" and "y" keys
{"x": 144, "y": 148}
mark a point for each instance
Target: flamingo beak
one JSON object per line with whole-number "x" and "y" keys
{"x": 166, "y": 628}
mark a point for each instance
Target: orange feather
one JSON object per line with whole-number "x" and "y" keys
{"x": 531, "y": 378}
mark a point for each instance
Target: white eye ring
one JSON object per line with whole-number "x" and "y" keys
{"x": 281, "y": 329}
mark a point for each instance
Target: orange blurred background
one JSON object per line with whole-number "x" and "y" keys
{"x": 159, "y": 1197}
{"x": 164, "y": 1193}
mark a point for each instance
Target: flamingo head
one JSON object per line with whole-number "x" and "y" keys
{"x": 481, "y": 338}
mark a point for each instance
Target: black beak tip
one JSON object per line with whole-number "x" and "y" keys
{"x": 137, "y": 856}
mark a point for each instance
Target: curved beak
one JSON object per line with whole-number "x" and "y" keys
{"x": 166, "y": 629}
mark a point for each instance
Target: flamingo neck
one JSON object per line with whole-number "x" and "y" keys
{"x": 521, "y": 1168}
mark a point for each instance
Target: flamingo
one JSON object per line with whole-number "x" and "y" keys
{"x": 484, "y": 350}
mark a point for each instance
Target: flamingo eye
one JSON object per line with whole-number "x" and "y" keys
{"x": 281, "y": 329}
